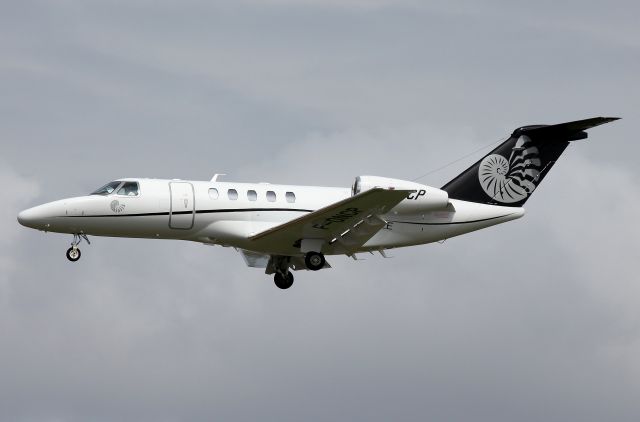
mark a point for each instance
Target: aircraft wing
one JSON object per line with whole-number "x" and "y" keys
{"x": 343, "y": 226}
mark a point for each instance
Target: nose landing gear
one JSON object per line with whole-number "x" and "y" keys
{"x": 73, "y": 253}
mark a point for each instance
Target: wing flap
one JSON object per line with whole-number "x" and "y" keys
{"x": 352, "y": 239}
{"x": 254, "y": 259}
{"x": 343, "y": 226}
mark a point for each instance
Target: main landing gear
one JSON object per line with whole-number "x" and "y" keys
{"x": 73, "y": 253}
{"x": 283, "y": 281}
{"x": 314, "y": 261}
{"x": 280, "y": 267}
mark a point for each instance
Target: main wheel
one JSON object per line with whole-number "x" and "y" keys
{"x": 283, "y": 281}
{"x": 314, "y": 260}
{"x": 73, "y": 254}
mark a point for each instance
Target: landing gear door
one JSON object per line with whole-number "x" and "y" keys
{"x": 182, "y": 211}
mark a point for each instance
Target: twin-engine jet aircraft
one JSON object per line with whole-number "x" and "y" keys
{"x": 285, "y": 227}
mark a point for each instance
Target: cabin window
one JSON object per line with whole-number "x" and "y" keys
{"x": 213, "y": 193}
{"x": 252, "y": 195}
{"x": 107, "y": 189}
{"x": 271, "y": 196}
{"x": 232, "y": 194}
{"x": 291, "y": 197}
{"x": 129, "y": 189}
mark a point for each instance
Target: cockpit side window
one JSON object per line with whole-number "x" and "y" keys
{"x": 129, "y": 189}
{"x": 107, "y": 189}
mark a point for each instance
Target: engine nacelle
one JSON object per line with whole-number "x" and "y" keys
{"x": 424, "y": 198}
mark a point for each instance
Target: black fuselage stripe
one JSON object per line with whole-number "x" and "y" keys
{"x": 149, "y": 214}
{"x": 446, "y": 224}
{"x": 250, "y": 210}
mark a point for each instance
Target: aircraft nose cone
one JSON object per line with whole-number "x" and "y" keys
{"x": 31, "y": 217}
{"x": 25, "y": 217}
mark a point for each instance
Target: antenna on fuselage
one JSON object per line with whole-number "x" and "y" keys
{"x": 215, "y": 176}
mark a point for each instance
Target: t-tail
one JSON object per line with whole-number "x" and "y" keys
{"x": 509, "y": 174}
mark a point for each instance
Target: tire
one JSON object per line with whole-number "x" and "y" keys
{"x": 314, "y": 261}
{"x": 283, "y": 282}
{"x": 73, "y": 254}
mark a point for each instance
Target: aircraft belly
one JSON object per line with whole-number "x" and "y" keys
{"x": 236, "y": 229}
{"x": 440, "y": 225}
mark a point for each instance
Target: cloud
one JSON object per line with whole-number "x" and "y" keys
{"x": 531, "y": 320}
{"x": 18, "y": 192}
{"x": 599, "y": 240}
{"x": 337, "y": 157}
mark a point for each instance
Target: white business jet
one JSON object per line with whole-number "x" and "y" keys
{"x": 285, "y": 227}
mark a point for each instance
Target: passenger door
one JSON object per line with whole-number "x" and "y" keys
{"x": 182, "y": 211}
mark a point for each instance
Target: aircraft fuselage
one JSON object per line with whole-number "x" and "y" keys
{"x": 228, "y": 214}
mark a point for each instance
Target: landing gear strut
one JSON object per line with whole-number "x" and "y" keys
{"x": 314, "y": 260}
{"x": 73, "y": 253}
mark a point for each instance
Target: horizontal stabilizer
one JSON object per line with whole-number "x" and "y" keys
{"x": 566, "y": 131}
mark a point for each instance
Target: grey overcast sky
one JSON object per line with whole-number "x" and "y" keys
{"x": 537, "y": 319}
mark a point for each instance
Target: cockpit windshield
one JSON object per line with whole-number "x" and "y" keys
{"x": 107, "y": 189}
{"x": 129, "y": 189}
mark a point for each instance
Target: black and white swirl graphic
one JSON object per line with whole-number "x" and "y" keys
{"x": 116, "y": 206}
{"x": 511, "y": 180}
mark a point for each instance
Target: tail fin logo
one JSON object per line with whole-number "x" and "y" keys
{"x": 513, "y": 179}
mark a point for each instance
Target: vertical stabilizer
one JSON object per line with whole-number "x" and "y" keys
{"x": 510, "y": 173}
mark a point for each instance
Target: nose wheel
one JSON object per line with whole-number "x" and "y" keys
{"x": 73, "y": 253}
